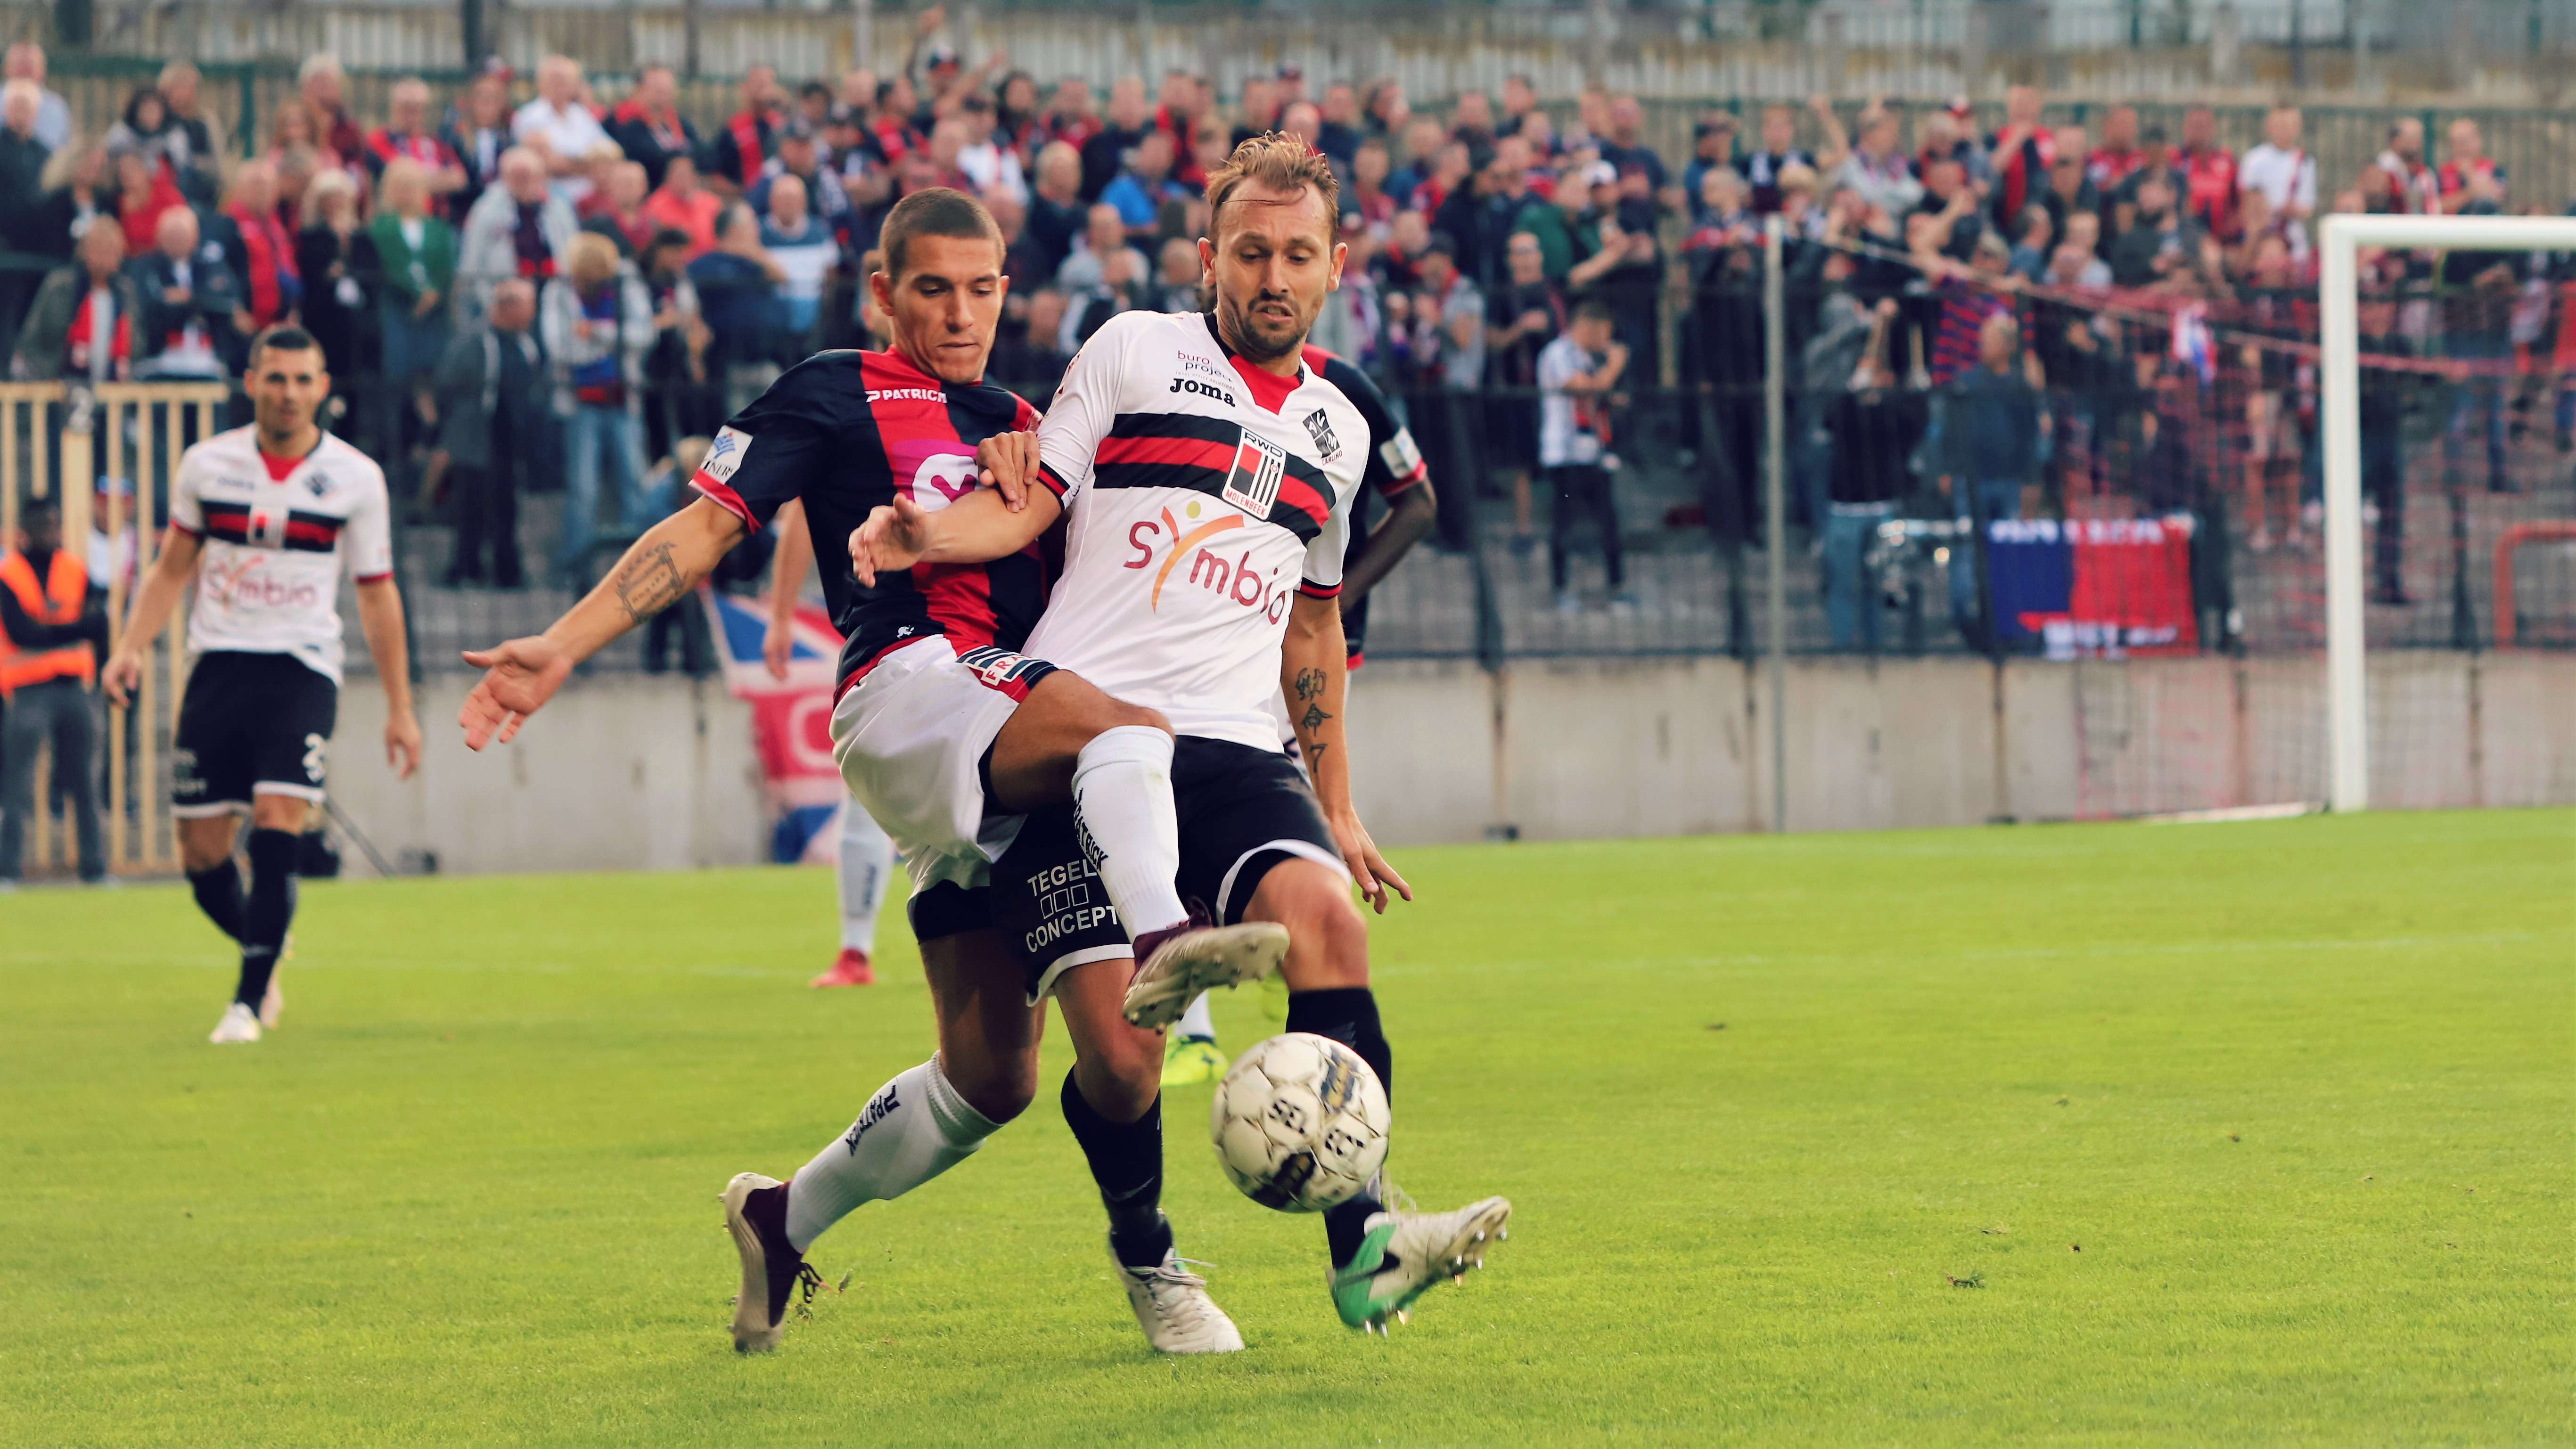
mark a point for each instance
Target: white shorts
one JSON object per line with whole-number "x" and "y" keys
{"x": 910, "y": 740}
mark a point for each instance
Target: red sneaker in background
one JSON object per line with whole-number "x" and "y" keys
{"x": 849, "y": 969}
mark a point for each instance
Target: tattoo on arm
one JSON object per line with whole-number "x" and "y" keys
{"x": 648, "y": 583}
{"x": 1313, "y": 718}
{"x": 1310, "y": 683}
{"x": 1315, "y": 755}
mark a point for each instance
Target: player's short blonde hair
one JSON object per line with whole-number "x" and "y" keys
{"x": 1279, "y": 162}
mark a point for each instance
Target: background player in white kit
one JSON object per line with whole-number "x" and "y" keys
{"x": 264, "y": 520}
{"x": 1207, "y": 475}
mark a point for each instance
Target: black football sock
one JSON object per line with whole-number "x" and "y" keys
{"x": 1127, "y": 1162}
{"x": 268, "y": 911}
{"x": 1347, "y": 1014}
{"x": 219, "y": 895}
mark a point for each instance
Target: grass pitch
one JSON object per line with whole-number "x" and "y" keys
{"x": 2102, "y": 1134}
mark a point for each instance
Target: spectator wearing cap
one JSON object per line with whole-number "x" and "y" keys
{"x": 648, "y": 126}
{"x": 519, "y": 228}
{"x": 992, "y": 166}
{"x": 406, "y": 136}
{"x": 26, "y": 61}
{"x": 1104, "y": 156}
{"x": 798, "y": 157}
{"x": 478, "y": 133}
{"x": 561, "y": 127}
{"x": 82, "y": 322}
{"x": 1141, "y": 189}
{"x": 596, "y": 324}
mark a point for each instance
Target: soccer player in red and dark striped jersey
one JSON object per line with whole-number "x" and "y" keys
{"x": 943, "y": 730}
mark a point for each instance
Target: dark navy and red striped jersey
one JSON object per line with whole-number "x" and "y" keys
{"x": 1394, "y": 465}
{"x": 845, "y": 430}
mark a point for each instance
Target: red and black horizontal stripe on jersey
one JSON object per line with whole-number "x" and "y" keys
{"x": 305, "y": 532}
{"x": 1184, "y": 450}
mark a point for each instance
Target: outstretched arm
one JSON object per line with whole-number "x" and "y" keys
{"x": 661, "y": 567}
{"x": 976, "y": 527}
{"x": 1314, "y": 673}
{"x": 1415, "y": 510}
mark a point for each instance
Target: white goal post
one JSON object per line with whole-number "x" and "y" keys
{"x": 2347, "y": 686}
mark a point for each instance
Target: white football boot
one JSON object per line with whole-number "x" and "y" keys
{"x": 1406, "y": 1254}
{"x": 772, "y": 1270}
{"x": 1173, "y": 1307}
{"x": 1175, "y": 965}
{"x": 239, "y": 1025}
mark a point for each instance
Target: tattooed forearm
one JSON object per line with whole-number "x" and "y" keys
{"x": 1310, "y": 683}
{"x": 648, "y": 582}
{"x": 1313, "y": 718}
{"x": 1315, "y": 755}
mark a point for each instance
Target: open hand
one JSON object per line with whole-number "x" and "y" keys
{"x": 893, "y": 539}
{"x": 518, "y": 678}
{"x": 1368, "y": 868}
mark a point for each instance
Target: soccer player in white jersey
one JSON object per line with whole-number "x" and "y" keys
{"x": 1207, "y": 476}
{"x": 264, "y": 520}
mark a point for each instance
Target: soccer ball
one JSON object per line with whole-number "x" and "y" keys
{"x": 1300, "y": 1123}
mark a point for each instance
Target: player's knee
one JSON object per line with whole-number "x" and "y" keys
{"x": 1001, "y": 1090}
{"x": 1329, "y": 937}
{"x": 1129, "y": 1077}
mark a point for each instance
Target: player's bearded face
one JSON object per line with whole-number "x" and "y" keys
{"x": 946, "y": 305}
{"x": 1273, "y": 261}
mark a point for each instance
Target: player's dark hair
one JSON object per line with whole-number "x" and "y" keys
{"x": 1594, "y": 310}
{"x": 934, "y": 211}
{"x": 281, "y": 338}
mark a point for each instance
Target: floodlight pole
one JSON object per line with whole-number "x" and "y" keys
{"x": 1775, "y": 509}
{"x": 2347, "y": 683}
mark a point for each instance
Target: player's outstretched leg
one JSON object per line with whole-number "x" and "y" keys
{"x": 918, "y": 1125}
{"x": 865, "y": 865}
{"x": 1114, "y": 760}
{"x": 1114, "y": 1105}
{"x": 1383, "y": 1259}
{"x": 1192, "y": 1056}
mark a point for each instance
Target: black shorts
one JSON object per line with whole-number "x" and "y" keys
{"x": 250, "y": 724}
{"x": 1242, "y": 811}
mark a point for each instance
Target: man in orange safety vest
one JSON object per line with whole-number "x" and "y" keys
{"x": 50, "y": 642}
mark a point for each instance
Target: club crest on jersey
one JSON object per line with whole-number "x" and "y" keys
{"x": 1320, "y": 428}
{"x": 318, "y": 484}
{"x": 942, "y": 479}
{"x": 1259, "y": 465}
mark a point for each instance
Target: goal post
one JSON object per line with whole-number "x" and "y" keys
{"x": 2342, "y": 236}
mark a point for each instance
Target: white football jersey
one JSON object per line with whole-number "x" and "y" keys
{"x": 1202, "y": 494}
{"x": 268, "y": 581}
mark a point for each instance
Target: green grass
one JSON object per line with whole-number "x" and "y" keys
{"x": 2302, "y": 1092}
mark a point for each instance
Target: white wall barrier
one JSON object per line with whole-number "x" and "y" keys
{"x": 635, "y": 772}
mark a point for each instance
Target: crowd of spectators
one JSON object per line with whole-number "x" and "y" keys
{"x": 1981, "y": 324}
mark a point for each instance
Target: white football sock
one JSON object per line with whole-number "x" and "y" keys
{"x": 1198, "y": 1020}
{"x": 1122, "y": 790}
{"x": 915, "y": 1128}
{"x": 867, "y": 861}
